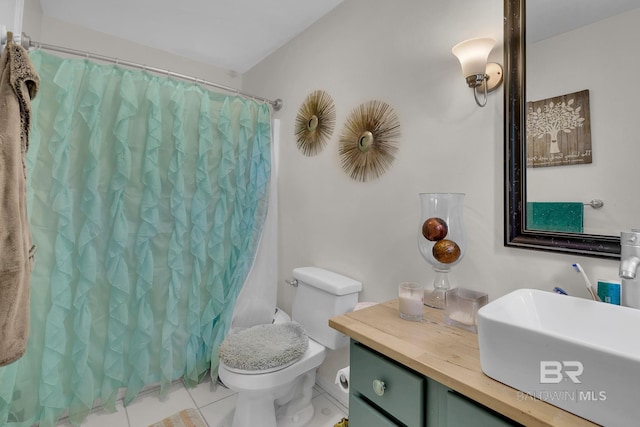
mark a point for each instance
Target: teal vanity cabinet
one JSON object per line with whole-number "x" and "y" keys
{"x": 385, "y": 393}
{"x": 428, "y": 374}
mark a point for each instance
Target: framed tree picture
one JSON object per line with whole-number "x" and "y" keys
{"x": 559, "y": 131}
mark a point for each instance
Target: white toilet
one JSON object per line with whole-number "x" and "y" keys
{"x": 281, "y": 397}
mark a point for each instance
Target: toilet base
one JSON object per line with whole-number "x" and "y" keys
{"x": 286, "y": 406}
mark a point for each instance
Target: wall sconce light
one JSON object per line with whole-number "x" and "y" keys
{"x": 480, "y": 75}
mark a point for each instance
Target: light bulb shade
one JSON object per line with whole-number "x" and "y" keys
{"x": 473, "y": 54}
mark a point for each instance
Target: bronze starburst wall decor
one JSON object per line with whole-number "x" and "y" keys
{"x": 368, "y": 143}
{"x": 315, "y": 122}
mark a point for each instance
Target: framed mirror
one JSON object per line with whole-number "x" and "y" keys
{"x": 517, "y": 234}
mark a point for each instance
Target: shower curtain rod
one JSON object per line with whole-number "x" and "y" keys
{"x": 26, "y": 42}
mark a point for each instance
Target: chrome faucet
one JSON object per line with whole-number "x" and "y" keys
{"x": 629, "y": 262}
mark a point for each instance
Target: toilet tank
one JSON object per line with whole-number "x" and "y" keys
{"x": 320, "y": 295}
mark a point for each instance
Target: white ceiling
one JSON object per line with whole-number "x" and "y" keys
{"x": 237, "y": 34}
{"x": 230, "y": 34}
{"x": 548, "y": 18}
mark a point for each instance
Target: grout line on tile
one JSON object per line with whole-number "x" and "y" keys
{"x": 203, "y": 417}
{"x": 336, "y": 402}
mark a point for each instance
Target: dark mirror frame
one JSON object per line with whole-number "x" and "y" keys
{"x": 516, "y": 234}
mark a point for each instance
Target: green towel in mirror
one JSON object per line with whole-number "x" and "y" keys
{"x": 555, "y": 216}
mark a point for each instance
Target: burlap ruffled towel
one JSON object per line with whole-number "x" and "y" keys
{"x": 18, "y": 85}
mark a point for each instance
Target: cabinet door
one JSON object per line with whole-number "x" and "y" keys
{"x": 403, "y": 393}
{"x": 363, "y": 415}
{"x": 462, "y": 411}
{"x": 447, "y": 408}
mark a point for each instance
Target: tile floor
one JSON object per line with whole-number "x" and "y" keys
{"x": 216, "y": 407}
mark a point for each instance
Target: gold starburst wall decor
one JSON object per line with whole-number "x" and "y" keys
{"x": 315, "y": 122}
{"x": 368, "y": 143}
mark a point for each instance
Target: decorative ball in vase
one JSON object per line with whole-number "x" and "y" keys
{"x": 442, "y": 240}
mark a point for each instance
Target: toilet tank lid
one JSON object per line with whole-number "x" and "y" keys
{"x": 327, "y": 281}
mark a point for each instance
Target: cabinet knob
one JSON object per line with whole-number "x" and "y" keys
{"x": 379, "y": 387}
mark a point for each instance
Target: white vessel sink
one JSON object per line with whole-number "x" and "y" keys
{"x": 579, "y": 355}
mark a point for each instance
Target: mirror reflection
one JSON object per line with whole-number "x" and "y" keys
{"x": 582, "y": 145}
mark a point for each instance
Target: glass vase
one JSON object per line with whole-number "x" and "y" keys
{"x": 442, "y": 240}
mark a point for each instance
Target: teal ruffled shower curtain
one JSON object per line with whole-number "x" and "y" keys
{"x": 146, "y": 196}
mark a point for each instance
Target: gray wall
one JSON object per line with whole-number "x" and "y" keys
{"x": 399, "y": 52}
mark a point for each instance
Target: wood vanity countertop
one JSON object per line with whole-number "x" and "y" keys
{"x": 449, "y": 355}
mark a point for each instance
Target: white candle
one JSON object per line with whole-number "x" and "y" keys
{"x": 411, "y": 305}
{"x": 410, "y": 301}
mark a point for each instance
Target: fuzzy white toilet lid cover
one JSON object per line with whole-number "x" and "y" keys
{"x": 264, "y": 347}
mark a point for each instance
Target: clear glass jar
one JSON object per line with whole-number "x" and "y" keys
{"x": 442, "y": 240}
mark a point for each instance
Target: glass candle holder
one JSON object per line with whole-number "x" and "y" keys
{"x": 461, "y": 308}
{"x": 410, "y": 300}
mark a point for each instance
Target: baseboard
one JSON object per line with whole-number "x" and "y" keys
{"x": 334, "y": 391}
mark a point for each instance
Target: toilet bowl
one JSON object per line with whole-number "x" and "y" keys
{"x": 281, "y": 397}
{"x": 259, "y": 393}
